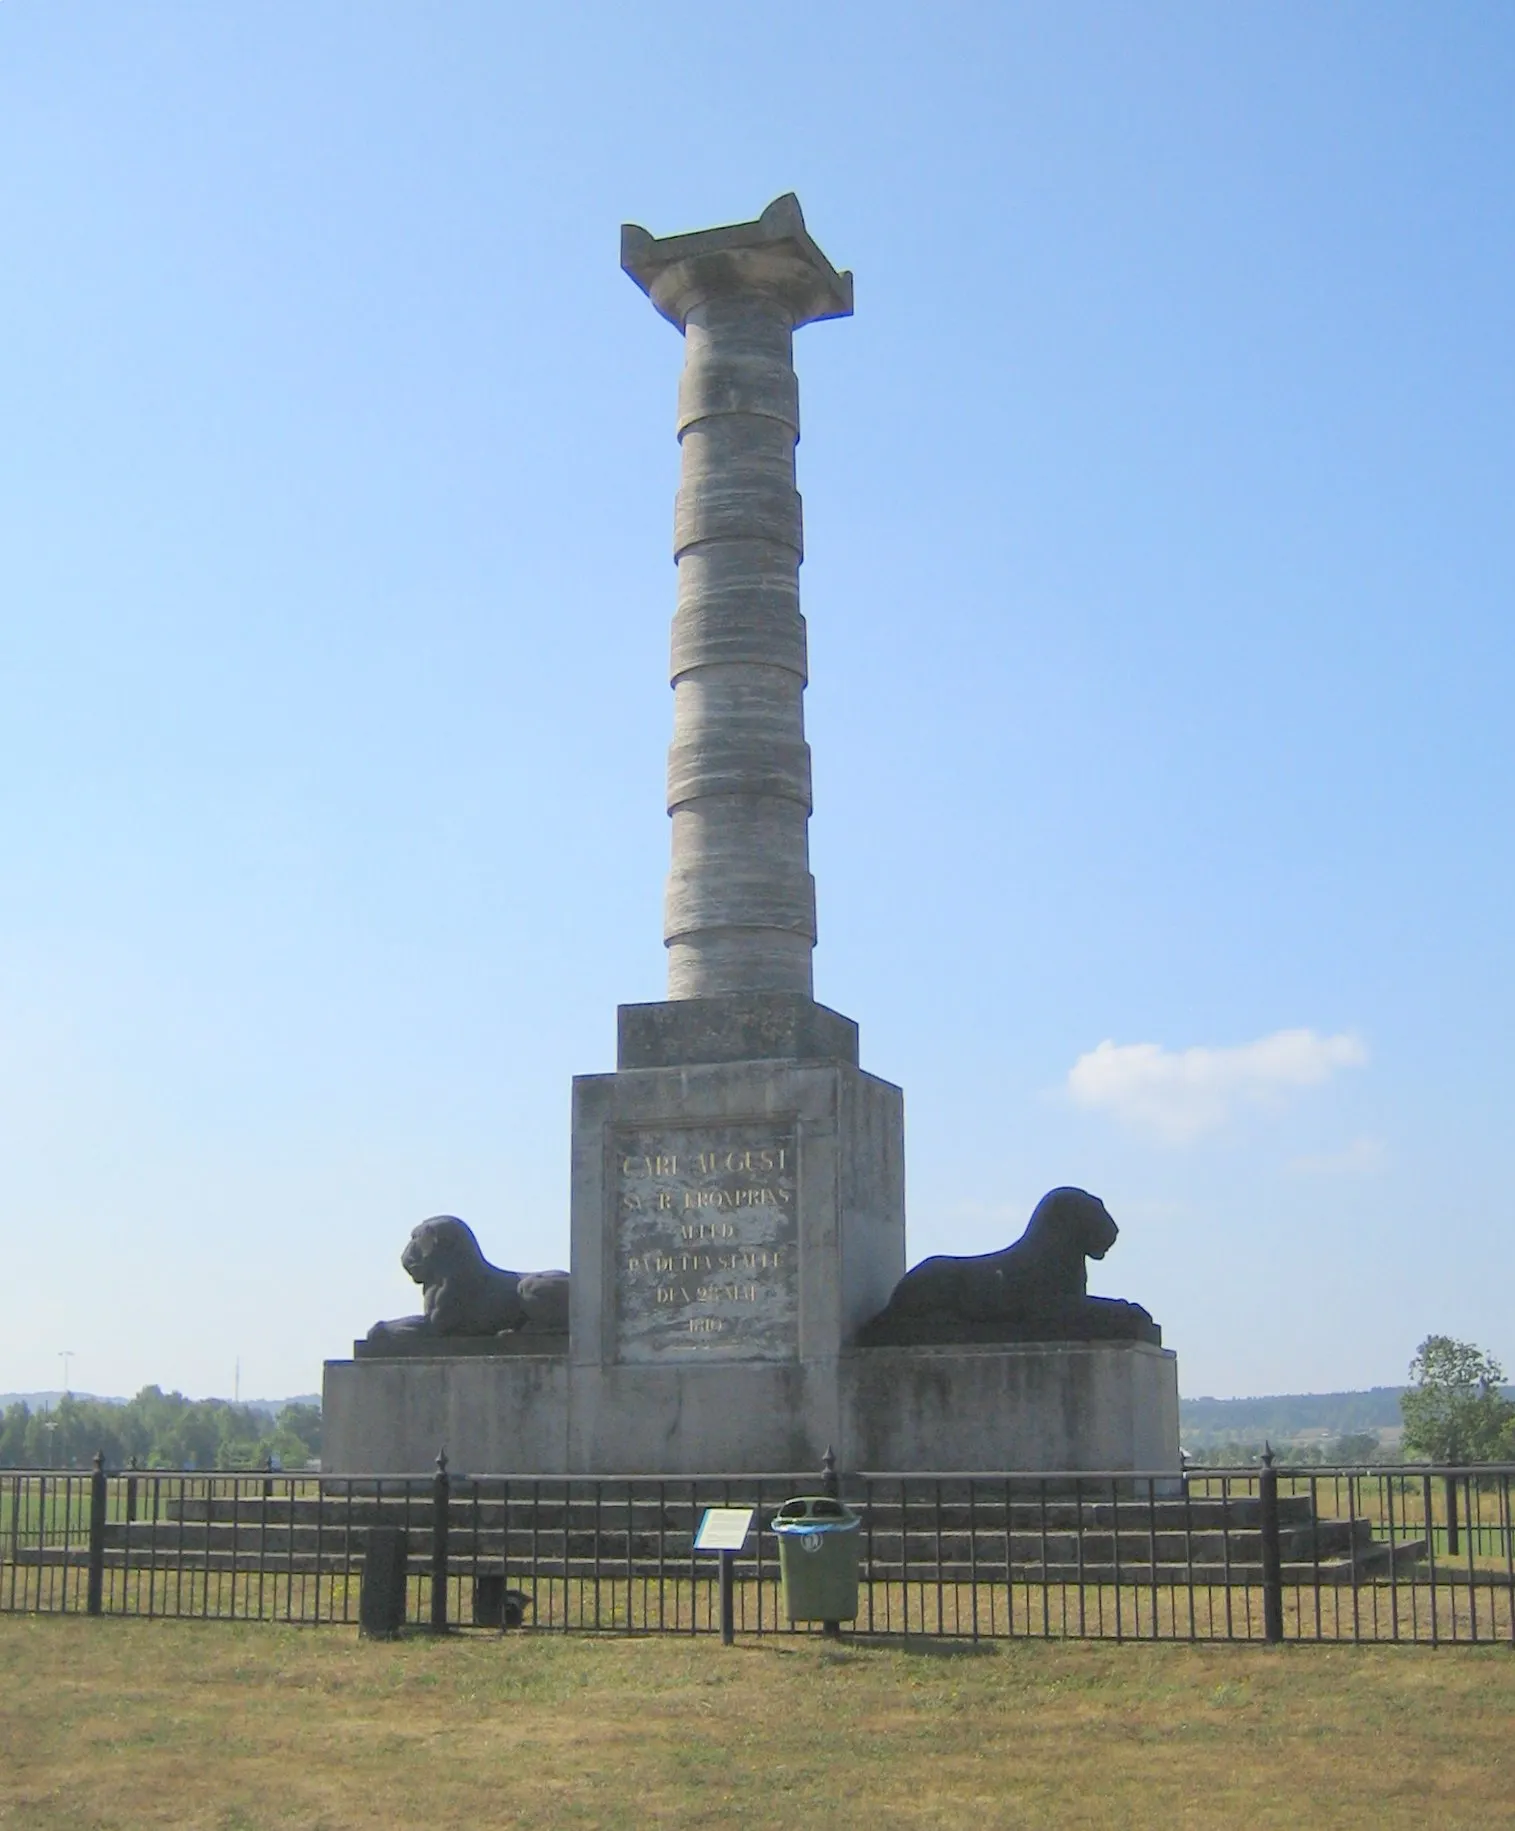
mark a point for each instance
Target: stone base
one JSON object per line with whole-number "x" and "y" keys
{"x": 1038, "y": 1406}
{"x": 1030, "y": 1407}
{"x": 492, "y": 1415}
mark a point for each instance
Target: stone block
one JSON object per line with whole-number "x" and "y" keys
{"x": 1045, "y": 1406}
{"x": 737, "y": 1027}
{"x": 497, "y": 1415}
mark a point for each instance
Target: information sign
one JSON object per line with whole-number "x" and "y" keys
{"x": 724, "y": 1529}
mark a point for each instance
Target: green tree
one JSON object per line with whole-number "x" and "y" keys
{"x": 162, "y": 1430}
{"x": 1357, "y": 1446}
{"x": 1454, "y": 1412}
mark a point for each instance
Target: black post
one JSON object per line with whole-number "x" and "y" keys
{"x": 441, "y": 1496}
{"x": 131, "y": 1492}
{"x": 95, "y": 1594}
{"x": 1451, "y": 1516}
{"x": 728, "y": 1599}
{"x": 1272, "y": 1550}
{"x": 832, "y": 1486}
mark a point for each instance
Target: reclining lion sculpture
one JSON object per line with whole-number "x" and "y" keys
{"x": 464, "y": 1295}
{"x": 1035, "y": 1290}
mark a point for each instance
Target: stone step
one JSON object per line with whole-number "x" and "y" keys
{"x": 1375, "y": 1564}
{"x": 985, "y": 1515}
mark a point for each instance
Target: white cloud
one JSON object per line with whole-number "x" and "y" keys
{"x": 1359, "y": 1158}
{"x": 1181, "y": 1094}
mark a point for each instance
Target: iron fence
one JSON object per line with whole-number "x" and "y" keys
{"x": 1267, "y": 1554}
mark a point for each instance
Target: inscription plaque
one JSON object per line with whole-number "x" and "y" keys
{"x": 706, "y": 1243}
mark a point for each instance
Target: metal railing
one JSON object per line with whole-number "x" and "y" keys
{"x": 1267, "y": 1554}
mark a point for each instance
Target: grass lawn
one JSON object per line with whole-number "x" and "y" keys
{"x": 126, "y": 1723}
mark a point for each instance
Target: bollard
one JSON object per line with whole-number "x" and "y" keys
{"x": 728, "y": 1598}
{"x": 95, "y": 1592}
{"x": 441, "y": 1496}
{"x": 1272, "y": 1553}
{"x": 381, "y": 1592}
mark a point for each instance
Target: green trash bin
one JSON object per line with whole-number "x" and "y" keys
{"x": 818, "y": 1558}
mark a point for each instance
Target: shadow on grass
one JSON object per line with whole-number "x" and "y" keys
{"x": 835, "y": 1653}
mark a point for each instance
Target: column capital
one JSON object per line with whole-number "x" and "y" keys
{"x": 773, "y": 257}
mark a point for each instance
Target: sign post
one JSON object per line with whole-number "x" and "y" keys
{"x": 724, "y": 1530}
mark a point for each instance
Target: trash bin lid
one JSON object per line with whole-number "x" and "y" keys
{"x": 811, "y": 1513}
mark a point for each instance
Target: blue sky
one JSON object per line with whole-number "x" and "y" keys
{"x": 1159, "y": 578}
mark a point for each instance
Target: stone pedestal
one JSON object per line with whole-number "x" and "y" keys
{"x": 733, "y": 1225}
{"x": 1044, "y": 1406}
{"x": 1040, "y": 1407}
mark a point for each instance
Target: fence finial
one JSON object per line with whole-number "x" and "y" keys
{"x": 1267, "y": 1455}
{"x": 828, "y": 1471}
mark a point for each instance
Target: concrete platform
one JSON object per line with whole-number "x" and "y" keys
{"x": 1027, "y": 1407}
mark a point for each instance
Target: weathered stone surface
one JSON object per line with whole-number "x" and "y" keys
{"x": 708, "y": 1249}
{"x": 429, "y": 1347}
{"x": 773, "y": 257}
{"x": 1028, "y": 1406}
{"x": 495, "y": 1414}
{"x": 743, "y": 1027}
{"x": 1014, "y": 1406}
{"x": 841, "y": 1132}
{"x": 739, "y": 914}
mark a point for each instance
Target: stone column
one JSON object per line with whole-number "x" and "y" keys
{"x": 740, "y": 910}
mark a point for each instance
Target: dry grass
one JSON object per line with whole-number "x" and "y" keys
{"x": 120, "y": 1723}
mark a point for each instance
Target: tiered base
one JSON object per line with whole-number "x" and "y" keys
{"x": 1034, "y": 1406}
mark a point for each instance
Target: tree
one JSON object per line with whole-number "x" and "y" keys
{"x": 159, "y": 1429}
{"x": 1455, "y": 1412}
{"x": 1357, "y": 1446}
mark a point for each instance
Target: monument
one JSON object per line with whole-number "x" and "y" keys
{"x": 738, "y": 1299}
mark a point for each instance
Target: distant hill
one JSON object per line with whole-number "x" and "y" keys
{"x": 1289, "y": 1416}
{"x": 1286, "y": 1415}
{"x": 45, "y": 1401}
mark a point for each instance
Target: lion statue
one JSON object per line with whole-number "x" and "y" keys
{"x": 463, "y": 1294}
{"x": 1035, "y": 1290}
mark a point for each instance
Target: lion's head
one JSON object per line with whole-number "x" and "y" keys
{"x": 1076, "y": 1216}
{"x": 440, "y": 1248}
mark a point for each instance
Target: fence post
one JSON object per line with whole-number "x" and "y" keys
{"x": 829, "y": 1482}
{"x": 832, "y": 1630}
{"x": 95, "y": 1592}
{"x": 131, "y": 1492}
{"x": 1272, "y": 1550}
{"x": 441, "y": 1497}
{"x": 1451, "y": 1482}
